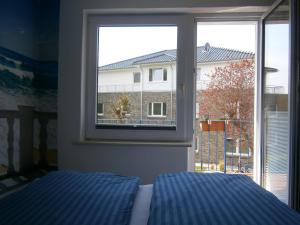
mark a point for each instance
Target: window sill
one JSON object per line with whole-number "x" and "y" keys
{"x": 158, "y": 81}
{"x": 149, "y": 116}
{"x": 145, "y": 143}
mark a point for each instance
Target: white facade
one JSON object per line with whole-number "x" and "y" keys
{"x": 122, "y": 80}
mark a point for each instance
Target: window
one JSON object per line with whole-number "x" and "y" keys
{"x": 126, "y": 103}
{"x": 276, "y": 110}
{"x": 140, "y": 43}
{"x": 157, "y": 109}
{"x": 238, "y": 147}
{"x": 137, "y": 77}
{"x": 100, "y": 109}
{"x": 158, "y": 74}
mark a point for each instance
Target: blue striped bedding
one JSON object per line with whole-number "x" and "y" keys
{"x": 72, "y": 198}
{"x": 215, "y": 199}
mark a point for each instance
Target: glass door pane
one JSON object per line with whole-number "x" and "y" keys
{"x": 224, "y": 103}
{"x": 275, "y": 103}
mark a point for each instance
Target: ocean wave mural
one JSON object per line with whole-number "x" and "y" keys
{"x": 28, "y": 67}
{"x": 25, "y": 81}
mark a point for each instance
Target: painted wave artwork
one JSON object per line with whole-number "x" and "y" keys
{"x": 25, "y": 81}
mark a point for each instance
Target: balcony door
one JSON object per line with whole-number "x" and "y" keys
{"x": 275, "y": 100}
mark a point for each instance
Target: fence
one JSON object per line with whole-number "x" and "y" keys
{"x": 26, "y": 116}
{"x": 135, "y": 122}
{"x": 119, "y": 88}
{"x": 225, "y": 146}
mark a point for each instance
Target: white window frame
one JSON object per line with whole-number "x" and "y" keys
{"x": 186, "y": 51}
{"x": 161, "y": 109}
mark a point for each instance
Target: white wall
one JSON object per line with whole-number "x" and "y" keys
{"x": 122, "y": 80}
{"x": 117, "y": 81}
{"x": 144, "y": 161}
{"x": 116, "y": 77}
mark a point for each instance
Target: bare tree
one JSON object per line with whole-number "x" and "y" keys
{"x": 121, "y": 106}
{"x": 230, "y": 95}
{"x": 230, "y": 91}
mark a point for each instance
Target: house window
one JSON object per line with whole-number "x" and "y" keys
{"x": 157, "y": 109}
{"x": 158, "y": 74}
{"x": 141, "y": 43}
{"x": 100, "y": 109}
{"x": 137, "y": 77}
{"x": 238, "y": 147}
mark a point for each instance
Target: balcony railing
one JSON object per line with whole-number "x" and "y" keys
{"x": 26, "y": 115}
{"x": 119, "y": 88}
{"x": 224, "y": 146}
{"x": 135, "y": 122}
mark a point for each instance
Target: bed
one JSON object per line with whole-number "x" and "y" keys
{"x": 174, "y": 198}
{"x": 215, "y": 198}
{"x": 72, "y": 198}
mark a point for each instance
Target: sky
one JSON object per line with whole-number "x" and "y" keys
{"x": 120, "y": 43}
{"x": 238, "y": 37}
{"x": 277, "y": 54}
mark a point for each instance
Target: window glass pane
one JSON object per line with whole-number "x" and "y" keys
{"x": 136, "y": 77}
{"x": 230, "y": 146}
{"x": 165, "y": 74}
{"x": 224, "y": 98}
{"x": 150, "y": 75}
{"x": 157, "y": 74}
{"x": 156, "y": 108}
{"x": 136, "y": 51}
{"x": 276, "y": 94}
{"x": 244, "y": 148}
{"x": 100, "y": 108}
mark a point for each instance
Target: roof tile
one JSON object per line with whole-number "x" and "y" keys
{"x": 213, "y": 55}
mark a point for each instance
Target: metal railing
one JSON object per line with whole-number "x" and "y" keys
{"x": 26, "y": 116}
{"x": 136, "y": 122}
{"x": 119, "y": 88}
{"x": 224, "y": 146}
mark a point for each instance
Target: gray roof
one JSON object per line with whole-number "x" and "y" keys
{"x": 213, "y": 55}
